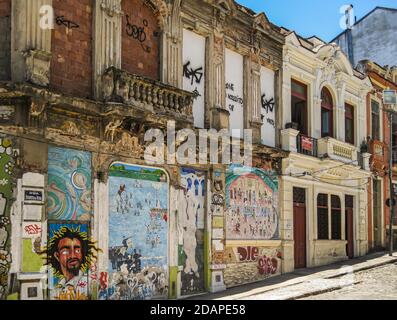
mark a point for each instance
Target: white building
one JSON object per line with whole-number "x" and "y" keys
{"x": 325, "y": 178}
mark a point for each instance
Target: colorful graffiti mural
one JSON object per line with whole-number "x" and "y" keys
{"x": 252, "y": 204}
{"x": 6, "y": 195}
{"x": 191, "y": 230}
{"x": 251, "y": 264}
{"x": 138, "y": 234}
{"x": 69, "y": 253}
{"x": 69, "y": 184}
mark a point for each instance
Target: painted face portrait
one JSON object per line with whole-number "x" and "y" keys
{"x": 70, "y": 256}
{"x": 70, "y": 251}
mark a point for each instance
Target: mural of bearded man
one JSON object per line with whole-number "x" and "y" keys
{"x": 70, "y": 253}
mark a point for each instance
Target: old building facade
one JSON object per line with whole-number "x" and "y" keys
{"x": 380, "y": 145}
{"x": 84, "y": 214}
{"x": 325, "y": 178}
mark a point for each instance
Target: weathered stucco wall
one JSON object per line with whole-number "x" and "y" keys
{"x": 374, "y": 38}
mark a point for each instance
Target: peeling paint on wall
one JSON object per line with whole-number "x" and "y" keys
{"x": 191, "y": 229}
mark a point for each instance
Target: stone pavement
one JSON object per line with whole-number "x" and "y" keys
{"x": 373, "y": 284}
{"x": 304, "y": 282}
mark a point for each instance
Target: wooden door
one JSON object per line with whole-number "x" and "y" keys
{"x": 300, "y": 228}
{"x": 349, "y": 220}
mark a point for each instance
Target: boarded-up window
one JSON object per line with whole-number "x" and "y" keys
{"x": 194, "y": 73}
{"x": 235, "y": 92}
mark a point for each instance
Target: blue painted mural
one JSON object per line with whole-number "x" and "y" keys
{"x": 138, "y": 233}
{"x": 69, "y": 184}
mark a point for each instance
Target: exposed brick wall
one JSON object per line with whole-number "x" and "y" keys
{"x": 5, "y": 39}
{"x": 5, "y": 8}
{"x": 71, "y": 67}
{"x": 135, "y": 56}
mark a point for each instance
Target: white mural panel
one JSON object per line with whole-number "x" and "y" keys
{"x": 194, "y": 72}
{"x": 234, "y": 65}
{"x": 268, "y": 108}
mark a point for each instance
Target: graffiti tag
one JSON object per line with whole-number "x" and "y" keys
{"x": 248, "y": 254}
{"x": 267, "y": 266}
{"x": 33, "y": 229}
{"x": 67, "y": 23}
{"x": 268, "y": 105}
{"x": 138, "y": 33}
{"x": 192, "y": 74}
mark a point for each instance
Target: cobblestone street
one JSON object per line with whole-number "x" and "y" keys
{"x": 374, "y": 284}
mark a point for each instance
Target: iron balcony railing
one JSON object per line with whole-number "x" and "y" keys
{"x": 307, "y": 145}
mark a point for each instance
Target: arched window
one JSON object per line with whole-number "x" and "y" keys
{"x": 327, "y": 106}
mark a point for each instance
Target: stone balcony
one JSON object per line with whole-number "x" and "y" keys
{"x": 328, "y": 147}
{"x": 119, "y": 86}
{"x": 337, "y": 150}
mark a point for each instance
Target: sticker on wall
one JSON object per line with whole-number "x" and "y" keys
{"x": 252, "y": 204}
{"x": 194, "y": 73}
{"x": 268, "y": 108}
{"x": 69, "y": 253}
{"x": 191, "y": 229}
{"x": 69, "y": 184}
{"x": 138, "y": 233}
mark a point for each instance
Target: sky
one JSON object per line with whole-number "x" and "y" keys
{"x": 313, "y": 17}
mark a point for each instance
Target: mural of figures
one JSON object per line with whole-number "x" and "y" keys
{"x": 69, "y": 184}
{"x": 138, "y": 234}
{"x": 252, "y": 204}
{"x": 191, "y": 230}
{"x": 6, "y": 195}
{"x": 69, "y": 253}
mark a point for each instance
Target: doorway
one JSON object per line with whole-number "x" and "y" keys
{"x": 349, "y": 229}
{"x": 299, "y": 196}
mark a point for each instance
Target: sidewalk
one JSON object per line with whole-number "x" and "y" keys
{"x": 303, "y": 282}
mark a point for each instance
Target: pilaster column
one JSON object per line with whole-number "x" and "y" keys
{"x": 31, "y": 40}
{"x": 252, "y": 85}
{"x": 172, "y": 64}
{"x": 107, "y": 39}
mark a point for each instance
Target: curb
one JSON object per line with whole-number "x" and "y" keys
{"x": 355, "y": 270}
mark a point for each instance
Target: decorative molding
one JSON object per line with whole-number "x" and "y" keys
{"x": 38, "y": 67}
{"x": 112, "y": 7}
